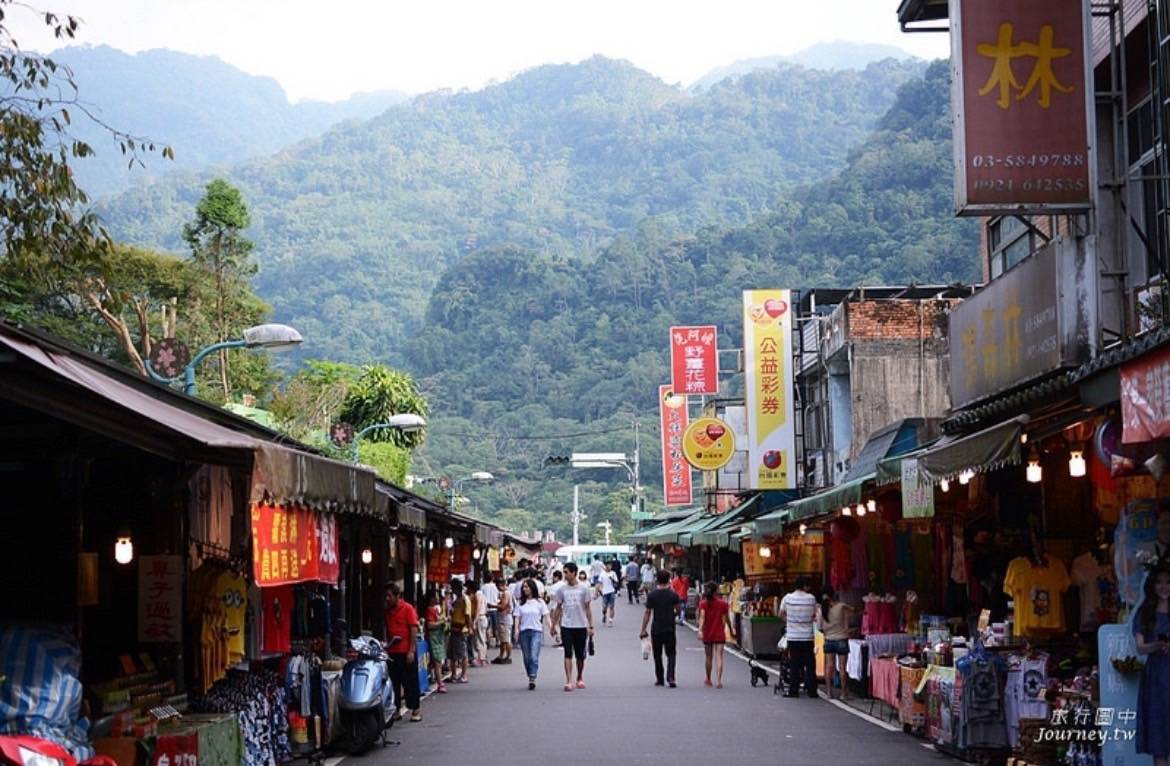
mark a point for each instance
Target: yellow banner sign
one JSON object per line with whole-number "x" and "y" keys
{"x": 767, "y": 332}
{"x": 708, "y": 444}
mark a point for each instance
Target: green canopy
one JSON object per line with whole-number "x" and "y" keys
{"x": 772, "y": 523}
{"x": 833, "y": 498}
{"x": 717, "y": 532}
{"x": 658, "y": 522}
{"x": 668, "y": 533}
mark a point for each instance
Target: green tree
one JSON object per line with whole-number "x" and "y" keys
{"x": 217, "y": 242}
{"x": 378, "y": 393}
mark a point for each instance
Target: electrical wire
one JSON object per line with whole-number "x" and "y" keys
{"x": 551, "y": 437}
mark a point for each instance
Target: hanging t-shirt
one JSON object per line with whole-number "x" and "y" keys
{"x": 278, "y": 608}
{"x": 1098, "y": 589}
{"x": 1025, "y": 693}
{"x": 1036, "y": 591}
{"x": 232, "y": 590}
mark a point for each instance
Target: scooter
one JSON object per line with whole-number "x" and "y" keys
{"x": 367, "y": 704}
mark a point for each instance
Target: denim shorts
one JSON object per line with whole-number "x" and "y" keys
{"x": 837, "y": 647}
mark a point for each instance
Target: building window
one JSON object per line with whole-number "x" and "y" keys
{"x": 1147, "y": 198}
{"x": 1010, "y": 241}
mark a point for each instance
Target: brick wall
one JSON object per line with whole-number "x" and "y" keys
{"x": 873, "y": 320}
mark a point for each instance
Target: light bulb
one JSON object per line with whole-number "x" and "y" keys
{"x": 430, "y": 544}
{"x": 1023, "y": 438}
{"x": 846, "y": 511}
{"x": 803, "y": 528}
{"x": 448, "y": 543}
{"x": 475, "y": 554}
{"x": 1034, "y": 472}
{"x": 124, "y": 549}
{"x": 1076, "y": 463}
{"x": 860, "y": 509}
{"x": 871, "y": 506}
{"x": 765, "y": 552}
{"x": 966, "y": 476}
{"x": 367, "y": 555}
{"x": 944, "y": 485}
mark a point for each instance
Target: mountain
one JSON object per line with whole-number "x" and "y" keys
{"x": 832, "y": 55}
{"x": 208, "y": 111}
{"x": 522, "y": 345}
{"x": 354, "y": 228}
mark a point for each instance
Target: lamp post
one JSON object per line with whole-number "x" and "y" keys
{"x": 405, "y": 422}
{"x": 274, "y": 337}
{"x": 608, "y": 527}
{"x": 483, "y": 476}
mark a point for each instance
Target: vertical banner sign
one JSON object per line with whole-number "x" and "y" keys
{"x": 767, "y": 334}
{"x": 160, "y": 599}
{"x": 917, "y": 495}
{"x": 676, "y": 471}
{"x": 1023, "y": 106}
{"x": 1145, "y": 398}
{"x": 328, "y": 555}
{"x": 694, "y": 360}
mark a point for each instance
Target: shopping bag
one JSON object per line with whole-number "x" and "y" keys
{"x": 645, "y": 648}
{"x": 782, "y": 644}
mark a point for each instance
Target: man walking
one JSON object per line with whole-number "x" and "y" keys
{"x": 662, "y": 605}
{"x": 402, "y": 624}
{"x": 681, "y": 584}
{"x": 799, "y": 611}
{"x": 607, "y": 589}
{"x": 573, "y": 619}
{"x": 491, "y": 595}
{"x": 632, "y": 573}
{"x": 647, "y": 573}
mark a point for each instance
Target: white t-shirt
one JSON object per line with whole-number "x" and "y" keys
{"x": 574, "y": 600}
{"x": 608, "y": 582}
{"x": 554, "y": 589}
{"x": 1091, "y": 578}
{"x": 595, "y": 570}
{"x": 800, "y": 615}
{"x": 492, "y": 594}
{"x": 648, "y": 573}
{"x": 531, "y": 614}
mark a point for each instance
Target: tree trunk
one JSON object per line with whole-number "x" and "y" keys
{"x": 120, "y": 328}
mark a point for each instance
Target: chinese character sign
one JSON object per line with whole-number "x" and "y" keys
{"x": 917, "y": 495}
{"x": 1145, "y": 398}
{"x": 676, "y": 471}
{"x": 160, "y": 599}
{"x": 767, "y": 334}
{"x": 328, "y": 556}
{"x": 284, "y": 545}
{"x": 694, "y": 360}
{"x": 1022, "y": 106}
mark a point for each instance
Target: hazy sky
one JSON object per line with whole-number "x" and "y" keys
{"x": 328, "y": 50}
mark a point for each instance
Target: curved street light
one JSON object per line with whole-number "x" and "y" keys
{"x": 407, "y": 422}
{"x": 273, "y": 337}
{"x": 481, "y": 476}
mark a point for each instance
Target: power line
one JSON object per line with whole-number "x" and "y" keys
{"x": 552, "y": 437}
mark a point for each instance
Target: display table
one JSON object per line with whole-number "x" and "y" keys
{"x": 210, "y": 739}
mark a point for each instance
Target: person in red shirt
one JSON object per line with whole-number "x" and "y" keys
{"x": 402, "y": 623}
{"x": 714, "y": 627}
{"x": 681, "y": 584}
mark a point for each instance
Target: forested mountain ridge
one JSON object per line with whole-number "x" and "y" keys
{"x": 353, "y": 228}
{"x": 208, "y": 111}
{"x": 839, "y": 54}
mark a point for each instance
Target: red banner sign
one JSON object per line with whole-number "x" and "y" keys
{"x": 176, "y": 750}
{"x": 462, "y": 560}
{"x": 289, "y": 546}
{"x": 1145, "y": 398}
{"x": 676, "y": 471}
{"x": 439, "y": 565}
{"x": 1022, "y": 106}
{"x": 694, "y": 360}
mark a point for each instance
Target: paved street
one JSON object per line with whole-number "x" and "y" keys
{"x": 622, "y": 718}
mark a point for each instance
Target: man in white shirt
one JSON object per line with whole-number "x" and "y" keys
{"x": 492, "y": 595}
{"x": 573, "y": 620}
{"x": 607, "y": 584}
{"x": 801, "y": 616}
{"x": 558, "y": 582}
{"x": 649, "y": 573}
{"x": 596, "y": 569}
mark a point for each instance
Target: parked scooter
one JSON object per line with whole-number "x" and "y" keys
{"x": 367, "y": 704}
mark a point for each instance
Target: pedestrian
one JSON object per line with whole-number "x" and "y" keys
{"x": 595, "y": 570}
{"x": 504, "y": 634}
{"x": 531, "y": 615}
{"x": 714, "y": 627}
{"x": 558, "y": 582}
{"x": 662, "y": 605}
{"x": 681, "y": 584}
{"x": 436, "y": 627}
{"x": 632, "y": 571}
{"x": 461, "y": 616}
{"x": 1151, "y": 627}
{"x": 478, "y": 635}
{"x": 402, "y": 641}
{"x": 491, "y": 594}
{"x": 835, "y": 616}
{"x": 647, "y": 576}
{"x": 799, "y": 611}
{"x": 573, "y": 620}
{"x": 607, "y": 585}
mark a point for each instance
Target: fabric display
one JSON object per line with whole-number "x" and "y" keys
{"x": 879, "y": 615}
{"x": 855, "y": 664}
{"x": 1024, "y": 692}
{"x": 210, "y": 509}
{"x": 1097, "y": 585}
{"x": 911, "y": 612}
{"x": 884, "y": 677}
{"x": 982, "y": 706}
{"x": 217, "y": 601}
{"x": 277, "y": 605}
{"x": 258, "y": 701}
{"x": 859, "y": 559}
{"x": 1036, "y": 589}
{"x": 888, "y": 644}
{"x": 911, "y": 711}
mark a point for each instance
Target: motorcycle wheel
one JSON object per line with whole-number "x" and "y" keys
{"x": 363, "y": 731}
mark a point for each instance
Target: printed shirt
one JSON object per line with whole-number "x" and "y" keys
{"x": 800, "y": 615}
{"x": 1036, "y": 592}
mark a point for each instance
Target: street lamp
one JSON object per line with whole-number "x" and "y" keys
{"x": 482, "y": 476}
{"x": 273, "y": 337}
{"x": 608, "y": 527}
{"x": 405, "y": 422}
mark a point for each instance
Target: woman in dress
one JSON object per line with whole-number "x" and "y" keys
{"x": 714, "y": 627}
{"x": 531, "y": 616}
{"x": 1152, "y": 632}
{"x": 436, "y": 627}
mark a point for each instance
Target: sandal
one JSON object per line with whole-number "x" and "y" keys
{"x": 580, "y": 684}
{"x": 416, "y": 716}
{"x": 442, "y": 689}
{"x": 568, "y": 687}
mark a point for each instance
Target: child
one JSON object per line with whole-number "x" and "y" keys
{"x": 436, "y": 626}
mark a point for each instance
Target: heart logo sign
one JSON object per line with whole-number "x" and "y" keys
{"x": 716, "y": 431}
{"x": 708, "y": 444}
{"x": 775, "y": 308}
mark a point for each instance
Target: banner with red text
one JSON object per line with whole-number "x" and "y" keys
{"x": 676, "y": 471}
{"x": 287, "y": 547}
{"x": 767, "y": 362}
{"x": 694, "y": 360}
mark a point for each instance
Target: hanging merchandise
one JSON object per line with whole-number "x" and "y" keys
{"x": 982, "y": 712}
{"x": 231, "y": 588}
{"x": 1025, "y": 692}
{"x": 462, "y": 559}
{"x": 1097, "y": 586}
{"x": 278, "y": 615}
{"x": 258, "y": 701}
{"x": 1036, "y": 588}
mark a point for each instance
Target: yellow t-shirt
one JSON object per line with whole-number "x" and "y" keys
{"x": 232, "y": 591}
{"x": 1036, "y": 591}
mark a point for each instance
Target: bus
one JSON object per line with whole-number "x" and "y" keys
{"x": 582, "y": 555}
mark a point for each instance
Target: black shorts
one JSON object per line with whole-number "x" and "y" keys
{"x": 574, "y": 640}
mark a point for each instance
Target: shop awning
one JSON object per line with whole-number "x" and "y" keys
{"x": 659, "y": 521}
{"x": 486, "y": 534}
{"x": 981, "y": 451}
{"x": 96, "y": 395}
{"x": 407, "y": 510}
{"x": 771, "y": 523}
{"x": 898, "y": 438}
{"x": 668, "y": 533}
{"x": 848, "y": 493}
{"x": 718, "y": 533}
{"x": 889, "y": 471}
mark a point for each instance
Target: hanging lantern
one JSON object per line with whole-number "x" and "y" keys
{"x": 803, "y": 528}
{"x": 944, "y": 485}
{"x": 367, "y": 556}
{"x": 430, "y": 544}
{"x": 846, "y": 511}
{"x": 966, "y": 476}
{"x": 871, "y": 506}
{"x": 1076, "y": 463}
{"x": 765, "y": 552}
{"x": 1024, "y": 438}
{"x": 1034, "y": 473}
{"x": 860, "y": 509}
{"x": 123, "y": 548}
{"x": 449, "y": 543}
{"x": 475, "y": 553}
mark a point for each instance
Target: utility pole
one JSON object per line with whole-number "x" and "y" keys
{"x": 577, "y": 515}
{"x": 637, "y": 506}
{"x": 608, "y": 527}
